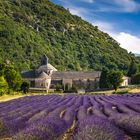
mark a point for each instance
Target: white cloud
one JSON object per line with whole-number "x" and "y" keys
{"x": 104, "y": 26}
{"x": 123, "y": 6}
{"x": 77, "y": 11}
{"x": 129, "y": 42}
{"x": 126, "y": 40}
{"x": 128, "y": 5}
{"x": 88, "y": 1}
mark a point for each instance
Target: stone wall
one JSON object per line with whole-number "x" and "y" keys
{"x": 86, "y": 84}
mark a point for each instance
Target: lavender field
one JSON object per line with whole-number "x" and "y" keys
{"x": 71, "y": 117}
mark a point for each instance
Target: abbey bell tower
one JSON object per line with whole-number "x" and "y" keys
{"x": 44, "y": 60}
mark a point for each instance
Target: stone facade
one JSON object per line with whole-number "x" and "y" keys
{"x": 126, "y": 81}
{"x": 88, "y": 81}
{"x": 46, "y": 76}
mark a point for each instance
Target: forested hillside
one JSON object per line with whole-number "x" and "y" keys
{"x": 30, "y": 28}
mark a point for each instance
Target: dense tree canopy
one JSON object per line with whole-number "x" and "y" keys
{"x": 10, "y": 78}
{"x": 104, "y": 79}
{"x": 13, "y": 78}
{"x": 30, "y": 28}
{"x": 115, "y": 79}
{"x": 136, "y": 79}
{"x": 132, "y": 69}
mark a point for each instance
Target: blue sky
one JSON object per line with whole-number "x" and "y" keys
{"x": 119, "y": 18}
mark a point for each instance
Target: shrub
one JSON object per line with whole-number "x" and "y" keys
{"x": 97, "y": 128}
{"x": 74, "y": 88}
{"x": 136, "y": 79}
{"x": 51, "y": 128}
{"x": 25, "y": 87}
{"x": 115, "y": 79}
{"x": 58, "y": 87}
{"x": 130, "y": 123}
{"x": 3, "y": 86}
{"x": 121, "y": 92}
{"x": 13, "y": 78}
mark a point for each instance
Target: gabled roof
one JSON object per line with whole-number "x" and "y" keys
{"x": 32, "y": 75}
{"x": 43, "y": 75}
{"x": 61, "y": 75}
{"x": 45, "y": 68}
{"x": 28, "y": 74}
{"x": 50, "y": 67}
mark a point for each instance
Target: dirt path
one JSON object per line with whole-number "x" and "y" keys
{"x": 10, "y": 97}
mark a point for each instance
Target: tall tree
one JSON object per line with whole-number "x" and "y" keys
{"x": 12, "y": 77}
{"x": 136, "y": 79}
{"x": 104, "y": 81}
{"x": 138, "y": 68}
{"x": 25, "y": 87}
{"x": 116, "y": 78}
{"x": 132, "y": 69}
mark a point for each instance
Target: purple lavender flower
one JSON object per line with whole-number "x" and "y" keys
{"x": 128, "y": 122}
{"x": 70, "y": 115}
{"x": 82, "y": 112}
{"x": 51, "y": 128}
{"x": 3, "y": 129}
{"x": 96, "y": 128}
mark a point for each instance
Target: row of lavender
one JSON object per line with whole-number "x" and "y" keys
{"x": 90, "y": 117}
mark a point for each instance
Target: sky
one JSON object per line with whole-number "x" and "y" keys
{"x": 118, "y": 18}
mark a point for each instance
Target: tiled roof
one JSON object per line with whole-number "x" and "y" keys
{"x": 75, "y": 75}
{"x": 62, "y": 75}
{"x": 46, "y": 68}
{"x": 51, "y": 67}
{"x": 28, "y": 74}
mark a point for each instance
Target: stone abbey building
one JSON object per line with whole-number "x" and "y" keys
{"x": 48, "y": 77}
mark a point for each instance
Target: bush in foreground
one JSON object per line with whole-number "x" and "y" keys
{"x": 128, "y": 122}
{"x": 3, "y": 86}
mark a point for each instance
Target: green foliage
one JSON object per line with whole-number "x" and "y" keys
{"x": 2, "y": 69}
{"x": 25, "y": 87}
{"x": 74, "y": 88}
{"x": 136, "y": 79}
{"x": 13, "y": 78}
{"x": 126, "y": 91}
{"x": 115, "y": 79}
{"x": 58, "y": 87}
{"x": 104, "y": 79}
{"x": 67, "y": 87}
{"x": 3, "y": 86}
{"x": 138, "y": 68}
{"x": 30, "y": 28}
{"x": 132, "y": 69}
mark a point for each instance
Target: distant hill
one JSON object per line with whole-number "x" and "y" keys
{"x": 30, "y": 28}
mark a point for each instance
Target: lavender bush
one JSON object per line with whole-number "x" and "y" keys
{"x": 96, "y": 128}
